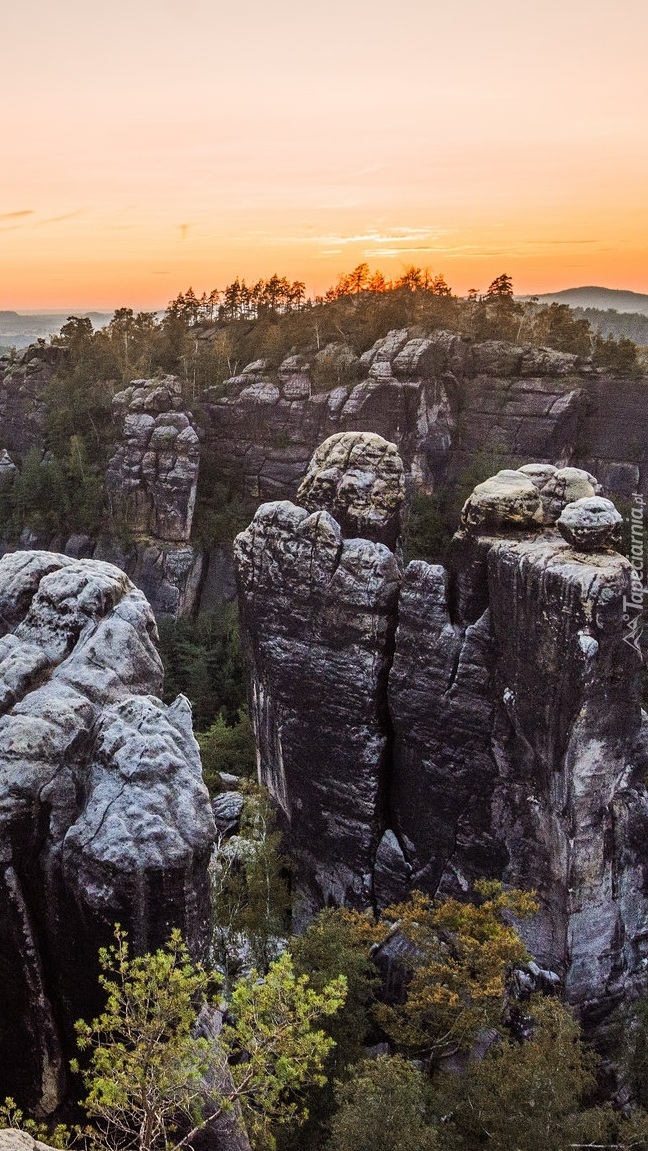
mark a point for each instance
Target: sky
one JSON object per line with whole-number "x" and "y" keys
{"x": 150, "y": 145}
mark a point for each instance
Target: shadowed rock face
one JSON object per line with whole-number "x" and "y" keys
{"x": 151, "y": 483}
{"x": 103, "y": 813}
{"x": 319, "y": 614}
{"x": 520, "y": 723}
{"x": 506, "y": 736}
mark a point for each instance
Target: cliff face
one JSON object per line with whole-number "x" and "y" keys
{"x": 510, "y": 740}
{"x": 442, "y": 399}
{"x": 151, "y": 484}
{"x": 319, "y": 612}
{"x": 103, "y": 816}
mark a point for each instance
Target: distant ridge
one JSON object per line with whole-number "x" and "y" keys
{"x": 18, "y": 330}
{"x": 602, "y": 298}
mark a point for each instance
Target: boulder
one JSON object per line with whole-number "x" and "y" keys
{"x": 564, "y": 486}
{"x": 358, "y": 478}
{"x": 591, "y": 524}
{"x": 506, "y": 500}
{"x": 227, "y": 810}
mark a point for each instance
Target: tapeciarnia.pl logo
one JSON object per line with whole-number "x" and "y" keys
{"x": 633, "y": 605}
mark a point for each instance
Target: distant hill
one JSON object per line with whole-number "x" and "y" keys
{"x": 18, "y": 330}
{"x": 600, "y": 298}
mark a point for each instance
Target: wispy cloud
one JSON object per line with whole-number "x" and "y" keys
{"x": 23, "y": 219}
{"x": 58, "y": 219}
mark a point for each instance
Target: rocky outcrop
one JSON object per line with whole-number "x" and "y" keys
{"x": 359, "y": 480}
{"x": 12, "y": 1139}
{"x": 507, "y": 737}
{"x": 449, "y": 404}
{"x": 440, "y": 398}
{"x": 262, "y": 432}
{"x": 151, "y": 479}
{"x": 519, "y": 719}
{"x": 319, "y": 619}
{"x": 22, "y": 386}
{"x": 103, "y": 815}
{"x": 151, "y": 483}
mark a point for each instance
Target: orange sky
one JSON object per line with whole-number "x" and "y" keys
{"x": 151, "y": 144}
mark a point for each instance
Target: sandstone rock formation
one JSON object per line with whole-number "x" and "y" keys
{"x": 591, "y": 524}
{"x": 319, "y": 611}
{"x": 151, "y": 484}
{"x": 11, "y": 1139}
{"x": 359, "y": 480}
{"x": 447, "y": 403}
{"x": 506, "y": 735}
{"x": 151, "y": 480}
{"x": 103, "y": 816}
{"x": 507, "y": 500}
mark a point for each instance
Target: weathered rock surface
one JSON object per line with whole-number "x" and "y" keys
{"x": 11, "y": 1139}
{"x": 563, "y": 487}
{"x": 507, "y": 500}
{"x": 319, "y": 616}
{"x": 358, "y": 478}
{"x": 151, "y": 484}
{"x": 264, "y": 430}
{"x": 506, "y": 735}
{"x": 521, "y": 729}
{"x": 103, "y": 814}
{"x": 151, "y": 480}
{"x": 591, "y": 524}
{"x": 443, "y": 400}
{"x": 22, "y": 408}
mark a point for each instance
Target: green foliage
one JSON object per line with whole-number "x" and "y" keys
{"x": 464, "y": 955}
{"x": 221, "y": 511}
{"x": 524, "y": 1096}
{"x": 276, "y": 1051}
{"x": 145, "y": 1065}
{"x": 11, "y": 1116}
{"x": 203, "y": 659}
{"x": 617, "y": 355}
{"x": 250, "y": 890}
{"x": 430, "y": 523}
{"x": 638, "y": 1053}
{"x": 338, "y": 942}
{"x": 383, "y": 1105}
{"x": 228, "y": 748}
{"x": 144, "y": 1078}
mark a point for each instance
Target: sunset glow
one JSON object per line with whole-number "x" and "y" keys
{"x": 149, "y": 146}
